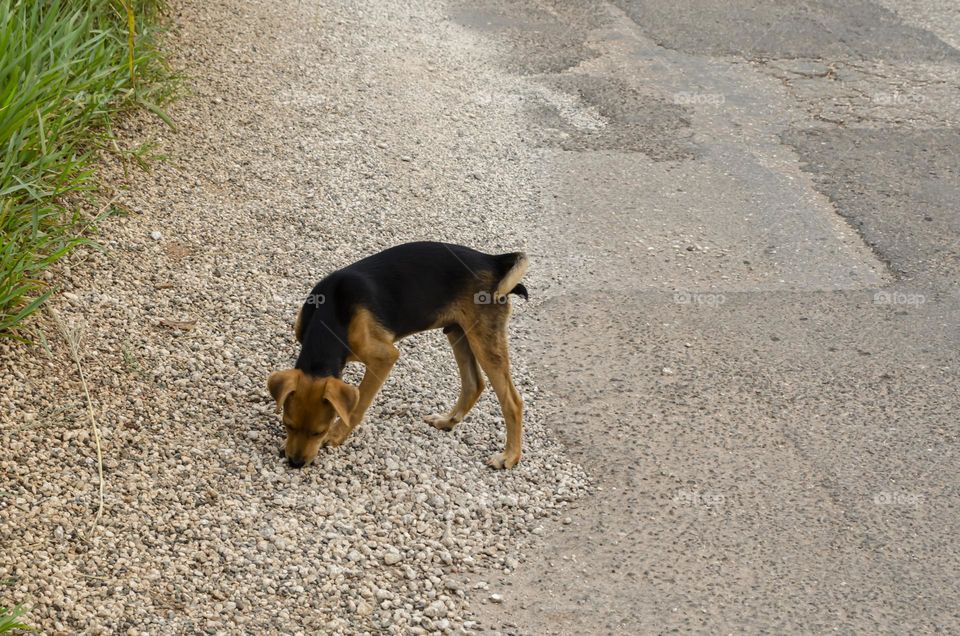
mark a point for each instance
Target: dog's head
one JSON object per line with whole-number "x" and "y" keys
{"x": 310, "y": 405}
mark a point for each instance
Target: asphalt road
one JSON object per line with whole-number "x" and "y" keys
{"x": 750, "y": 214}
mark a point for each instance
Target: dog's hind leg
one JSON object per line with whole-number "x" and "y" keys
{"x": 471, "y": 383}
{"x": 489, "y": 344}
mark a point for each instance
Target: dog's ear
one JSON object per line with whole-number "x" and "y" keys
{"x": 343, "y": 397}
{"x": 282, "y": 384}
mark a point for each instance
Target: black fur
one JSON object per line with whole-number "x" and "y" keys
{"x": 405, "y": 287}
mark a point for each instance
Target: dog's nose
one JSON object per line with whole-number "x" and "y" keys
{"x": 295, "y": 462}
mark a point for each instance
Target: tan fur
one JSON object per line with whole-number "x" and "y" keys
{"x": 324, "y": 411}
{"x": 298, "y": 326}
{"x": 471, "y": 382}
{"x": 372, "y": 345}
{"x": 512, "y": 277}
{"x": 343, "y": 397}
{"x": 485, "y": 331}
{"x": 281, "y": 384}
{"x": 309, "y": 406}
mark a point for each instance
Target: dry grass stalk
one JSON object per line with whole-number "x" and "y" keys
{"x": 73, "y": 338}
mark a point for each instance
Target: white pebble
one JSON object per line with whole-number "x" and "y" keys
{"x": 392, "y": 558}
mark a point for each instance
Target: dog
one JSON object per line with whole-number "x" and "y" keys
{"x": 357, "y": 314}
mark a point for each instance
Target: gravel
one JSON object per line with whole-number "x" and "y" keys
{"x": 311, "y": 135}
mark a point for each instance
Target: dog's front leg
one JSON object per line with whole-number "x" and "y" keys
{"x": 378, "y": 368}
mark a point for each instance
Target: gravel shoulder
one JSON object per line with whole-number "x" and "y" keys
{"x": 312, "y": 135}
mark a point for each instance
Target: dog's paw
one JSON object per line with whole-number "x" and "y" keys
{"x": 502, "y": 460}
{"x": 443, "y": 422}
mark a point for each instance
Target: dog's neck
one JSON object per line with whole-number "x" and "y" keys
{"x": 325, "y": 350}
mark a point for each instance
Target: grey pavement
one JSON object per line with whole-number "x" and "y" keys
{"x": 749, "y": 238}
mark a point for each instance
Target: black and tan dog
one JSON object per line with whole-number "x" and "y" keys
{"x": 359, "y": 312}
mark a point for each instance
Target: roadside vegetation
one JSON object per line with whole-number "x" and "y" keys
{"x": 10, "y": 620}
{"x": 68, "y": 68}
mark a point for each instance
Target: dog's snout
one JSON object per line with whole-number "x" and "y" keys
{"x": 295, "y": 462}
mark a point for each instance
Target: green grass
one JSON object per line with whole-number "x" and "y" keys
{"x": 66, "y": 71}
{"x": 9, "y": 620}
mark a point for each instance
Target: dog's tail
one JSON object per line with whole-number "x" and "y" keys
{"x": 511, "y": 268}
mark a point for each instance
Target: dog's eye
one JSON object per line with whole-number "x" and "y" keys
{"x": 315, "y": 434}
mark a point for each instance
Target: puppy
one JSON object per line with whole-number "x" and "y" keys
{"x": 359, "y": 312}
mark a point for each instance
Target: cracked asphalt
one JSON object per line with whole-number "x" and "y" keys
{"x": 749, "y": 212}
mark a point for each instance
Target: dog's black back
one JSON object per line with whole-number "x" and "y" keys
{"x": 406, "y": 287}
